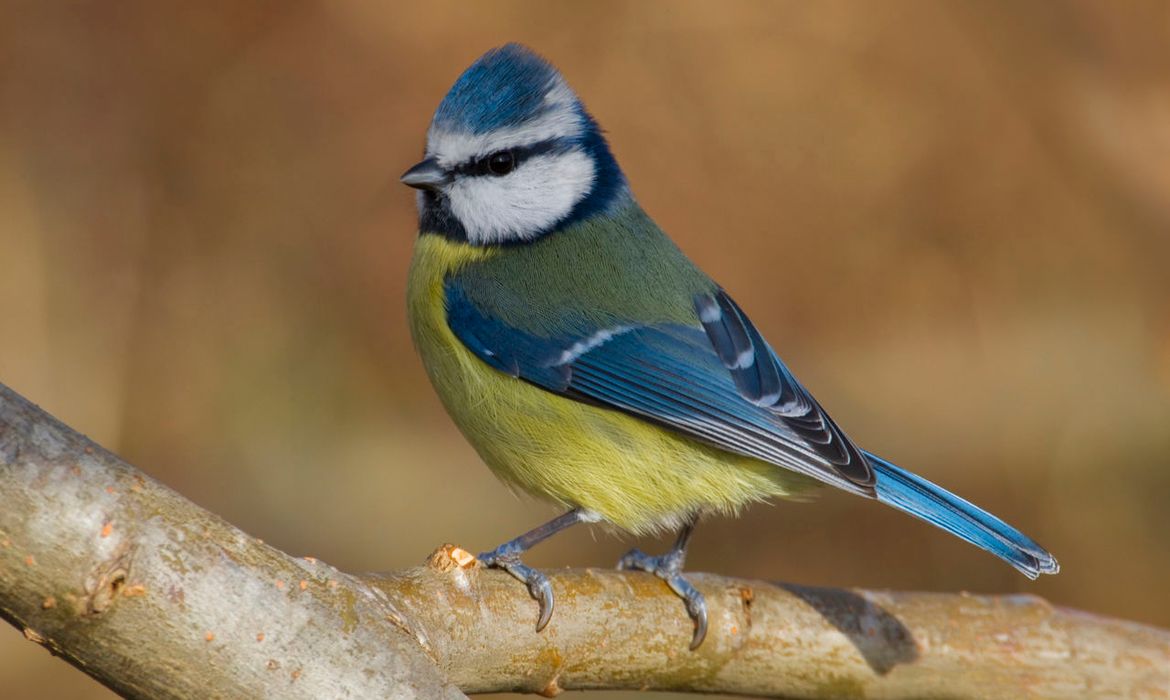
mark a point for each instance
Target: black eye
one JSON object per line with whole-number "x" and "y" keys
{"x": 501, "y": 162}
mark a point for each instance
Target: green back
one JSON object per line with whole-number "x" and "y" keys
{"x": 611, "y": 269}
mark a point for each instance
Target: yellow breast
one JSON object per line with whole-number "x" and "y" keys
{"x": 634, "y": 474}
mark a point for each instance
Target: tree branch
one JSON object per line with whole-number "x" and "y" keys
{"x": 157, "y": 598}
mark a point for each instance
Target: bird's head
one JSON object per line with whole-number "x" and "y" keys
{"x": 512, "y": 155}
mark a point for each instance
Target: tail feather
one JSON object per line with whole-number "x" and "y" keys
{"x": 920, "y": 498}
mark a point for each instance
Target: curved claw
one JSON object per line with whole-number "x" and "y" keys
{"x": 700, "y": 630}
{"x": 697, "y": 609}
{"x": 539, "y": 587}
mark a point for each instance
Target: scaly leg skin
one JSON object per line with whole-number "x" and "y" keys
{"x": 507, "y": 557}
{"x": 668, "y": 567}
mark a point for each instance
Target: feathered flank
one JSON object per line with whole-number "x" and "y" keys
{"x": 631, "y": 472}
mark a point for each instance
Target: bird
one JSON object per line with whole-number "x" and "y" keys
{"x": 592, "y": 364}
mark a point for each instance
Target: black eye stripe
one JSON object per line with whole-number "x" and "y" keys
{"x": 479, "y": 164}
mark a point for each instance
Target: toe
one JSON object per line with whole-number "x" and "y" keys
{"x": 491, "y": 560}
{"x": 696, "y": 606}
{"x": 629, "y": 558}
{"x": 637, "y": 560}
{"x": 538, "y": 584}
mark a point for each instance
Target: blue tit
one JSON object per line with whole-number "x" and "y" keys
{"x": 591, "y": 363}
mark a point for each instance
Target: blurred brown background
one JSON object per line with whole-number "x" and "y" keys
{"x": 952, "y": 219}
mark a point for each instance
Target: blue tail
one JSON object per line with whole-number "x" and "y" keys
{"x": 922, "y": 499}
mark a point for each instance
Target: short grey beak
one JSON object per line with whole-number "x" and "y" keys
{"x": 427, "y": 175}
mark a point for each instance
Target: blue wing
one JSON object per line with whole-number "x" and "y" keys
{"x": 718, "y": 381}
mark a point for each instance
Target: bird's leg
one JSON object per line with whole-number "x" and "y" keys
{"x": 507, "y": 557}
{"x": 668, "y": 567}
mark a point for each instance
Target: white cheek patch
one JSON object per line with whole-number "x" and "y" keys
{"x": 520, "y": 205}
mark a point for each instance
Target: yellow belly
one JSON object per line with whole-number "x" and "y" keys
{"x": 633, "y": 474}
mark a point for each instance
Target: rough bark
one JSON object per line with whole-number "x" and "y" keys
{"x": 157, "y": 598}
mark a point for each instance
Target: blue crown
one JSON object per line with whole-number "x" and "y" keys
{"x": 505, "y": 87}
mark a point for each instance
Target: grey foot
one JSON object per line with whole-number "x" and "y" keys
{"x": 668, "y": 567}
{"x": 538, "y": 584}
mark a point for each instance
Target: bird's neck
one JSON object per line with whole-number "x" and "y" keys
{"x": 610, "y": 191}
